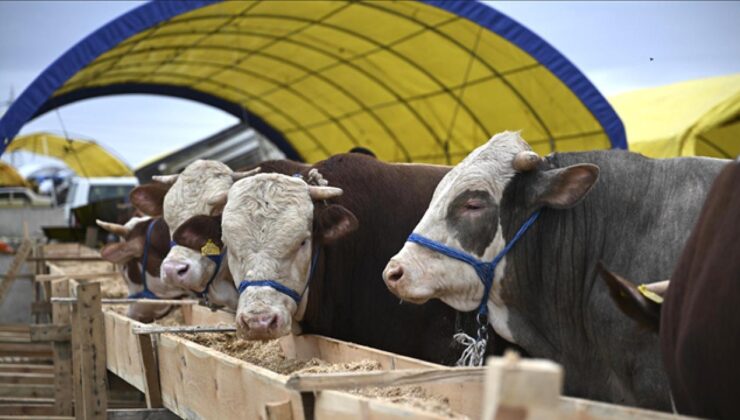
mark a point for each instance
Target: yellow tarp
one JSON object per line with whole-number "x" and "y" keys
{"x": 9, "y": 177}
{"x": 86, "y": 158}
{"x": 409, "y": 80}
{"x": 693, "y": 118}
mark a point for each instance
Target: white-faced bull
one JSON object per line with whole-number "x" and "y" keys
{"x": 630, "y": 211}
{"x": 302, "y": 252}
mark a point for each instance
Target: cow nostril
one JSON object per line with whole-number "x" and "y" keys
{"x": 182, "y": 270}
{"x": 395, "y": 274}
{"x": 274, "y": 323}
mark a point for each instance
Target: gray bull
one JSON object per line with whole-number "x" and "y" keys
{"x": 632, "y": 212}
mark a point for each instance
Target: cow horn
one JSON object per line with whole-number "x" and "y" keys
{"x": 323, "y": 193}
{"x": 219, "y": 199}
{"x": 526, "y": 161}
{"x": 235, "y": 176}
{"x": 165, "y": 179}
{"x": 115, "y": 228}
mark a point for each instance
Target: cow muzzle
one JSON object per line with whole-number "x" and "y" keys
{"x": 399, "y": 280}
{"x": 260, "y": 326}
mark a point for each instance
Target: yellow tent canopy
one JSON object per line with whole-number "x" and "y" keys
{"x": 86, "y": 158}
{"x": 693, "y": 118}
{"x": 422, "y": 81}
{"x": 9, "y": 177}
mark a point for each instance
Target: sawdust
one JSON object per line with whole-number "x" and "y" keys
{"x": 269, "y": 355}
{"x": 174, "y": 317}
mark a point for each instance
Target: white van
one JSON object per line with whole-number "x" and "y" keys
{"x": 83, "y": 191}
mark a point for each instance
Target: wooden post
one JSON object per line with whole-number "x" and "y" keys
{"x": 522, "y": 389}
{"x": 88, "y": 347}
{"x": 151, "y": 372}
{"x": 15, "y": 266}
{"x": 63, "y": 395}
{"x": 91, "y": 236}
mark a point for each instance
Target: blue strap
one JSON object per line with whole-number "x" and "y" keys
{"x": 485, "y": 270}
{"x": 217, "y": 259}
{"x": 146, "y": 293}
{"x": 282, "y": 288}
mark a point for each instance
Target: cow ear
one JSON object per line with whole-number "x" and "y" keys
{"x": 565, "y": 187}
{"x": 149, "y": 198}
{"x": 335, "y": 222}
{"x": 122, "y": 252}
{"x": 630, "y": 300}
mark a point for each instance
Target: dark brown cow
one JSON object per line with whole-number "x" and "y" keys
{"x": 699, "y": 323}
{"x": 130, "y": 254}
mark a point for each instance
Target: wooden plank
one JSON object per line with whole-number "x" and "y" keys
{"x": 51, "y": 332}
{"x": 142, "y": 414}
{"x": 17, "y": 409}
{"x": 180, "y": 329}
{"x": 27, "y": 390}
{"x": 518, "y": 388}
{"x": 26, "y": 378}
{"x": 125, "y": 301}
{"x": 25, "y": 368}
{"x": 21, "y": 256}
{"x": 151, "y": 374}
{"x": 25, "y": 349}
{"x": 77, "y": 276}
{"x": 40, "y": 308}
{"x": 280, "y": 410}
{"x": 122, "y": 350}
{"x": 63, "y": 380}
{"x": 89, "y": 353}
{"x": 352, "y": 380}
{"x": 67, "y": 258}
{"x": 35, "y": 417}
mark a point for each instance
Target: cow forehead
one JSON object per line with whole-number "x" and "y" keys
{"x": 268, "y": 208}
{"x": 196, "y": 185}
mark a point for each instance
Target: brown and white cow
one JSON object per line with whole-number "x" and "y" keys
{"x": 129, "y": 253}
{"x": 326, "y": 245}
{"x": 628, "y": 210}
{"x": 698, "y": 319}
{"x": 182, "y": 199}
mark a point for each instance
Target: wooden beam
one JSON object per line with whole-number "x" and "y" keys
{"x": 352, "y": 380}
{"x": 125, "y": 301}
{"x": 142, "y": 414}
{"x": 68, "y": 258}
{"x": 88, "y": 347}
{"x": 19, "y": 409}
{"x": 26, "y": 390}
{"x": 77, "y": 276}
{"x": 40, "y": 308}
{"x": 280, "y": 410}
{"x": 26, "y": 378}
{"x": 180, "y": 329}
{"x": 25, "y": 368}
{"x": 21, "y": 256}
{"x": 152, "y": 390}
{"x": 51, "y": 332}
{"x": 62, "y": 351}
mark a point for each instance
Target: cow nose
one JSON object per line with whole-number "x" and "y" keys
{"x": 394, "y": 272}
{"x": 256, "y": 324}
{"x": 263, "y": 322}
{"x": 175, "y": 270}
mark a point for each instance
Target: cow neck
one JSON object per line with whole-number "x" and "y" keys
{"x": 145, "y": 293}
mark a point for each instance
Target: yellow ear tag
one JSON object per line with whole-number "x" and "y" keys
{"x": 650, "y": 295}
{"x": 210, "y": 249}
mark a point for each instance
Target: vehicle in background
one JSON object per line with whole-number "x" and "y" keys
{"x": 84, "y": 191}
{"x": 23, "y": 197}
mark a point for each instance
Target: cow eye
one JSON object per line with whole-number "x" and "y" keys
{"x": 303, "y": 242}
{"x": 473, "y": 205}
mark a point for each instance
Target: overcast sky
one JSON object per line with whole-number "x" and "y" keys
{"x": 611, "y": 42}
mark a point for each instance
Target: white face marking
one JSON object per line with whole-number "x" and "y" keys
{"x": 198, "y": 269}
{"x": 201, "y": 181}
{"x": 428, "y": 274}
{"x": 267, "y": 226}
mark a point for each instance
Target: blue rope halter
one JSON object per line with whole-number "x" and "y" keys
{"x": 485, "y": 270}
{"x": 282, "y": 288}
{"x": 217, "y": 259}
{"x": 146, "y": 293}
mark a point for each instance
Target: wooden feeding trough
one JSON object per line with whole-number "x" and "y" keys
{"x": 194, "y": 381}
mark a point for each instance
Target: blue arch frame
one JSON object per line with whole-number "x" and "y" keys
{"x": 37, "y": 98}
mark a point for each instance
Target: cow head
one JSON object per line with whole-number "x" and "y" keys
{"x": 465, "y": 214}
{"x": 191, "y": 263}
{"x": 129, "y": 252}
{"x": 271, "y": 228}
